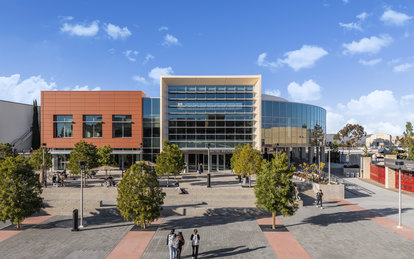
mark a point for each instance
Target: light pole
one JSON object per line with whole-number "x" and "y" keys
{"x": 208, "y": 163}
{"x": 399, "y": 164}
{"x": 43, "y": 165}
{"x": 81, "y": 165}
{"x": 329, "y": 166}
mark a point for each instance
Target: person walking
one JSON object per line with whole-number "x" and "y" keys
{"x": 319, "y": 196}
{"x": 195, "y": 241}
{"x": 170, "y": 243}
{"x": 179, "y": 243}
{"x": 297, "y": 197}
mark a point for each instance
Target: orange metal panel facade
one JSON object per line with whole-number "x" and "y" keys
{"x": 79, "y": 103}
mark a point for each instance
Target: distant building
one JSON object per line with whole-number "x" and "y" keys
{"x": 379, "y": 140}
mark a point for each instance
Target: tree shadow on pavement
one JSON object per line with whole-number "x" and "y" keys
{"x": 350, "y": 216}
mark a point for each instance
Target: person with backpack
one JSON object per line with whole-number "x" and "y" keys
{"x": 195, "y": 241}
{"x": 179, "y": 243}
{"x": 170, "y": 243}
{"x": 319, "y": 196}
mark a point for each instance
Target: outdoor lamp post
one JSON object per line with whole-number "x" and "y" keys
{"x": 399, "y": 164}
{"x": 43, "y": 165}
{"x": 81, "y": 165}
{"x": 208, "y": 164}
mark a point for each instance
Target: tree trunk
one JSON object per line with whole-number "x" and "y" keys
{"x": 168, "y": 178}
{"x": 250, "y": 181}
{"x": 274, "y": 220}
{"x": 143, "y": 226}
{"x": 41, "y": 181}
{"x": 19, "y": 225}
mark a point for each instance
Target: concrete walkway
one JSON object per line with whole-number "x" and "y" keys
{"x": 383, "y": 201}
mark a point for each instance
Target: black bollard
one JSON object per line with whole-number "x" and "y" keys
{"x": 208, "y": 180}
{"x": 75, "y": 220}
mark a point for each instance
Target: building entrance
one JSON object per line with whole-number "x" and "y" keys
{"x": 218, "y": 162}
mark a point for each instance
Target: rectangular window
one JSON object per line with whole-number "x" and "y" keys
{"x": 63, "y": 126}
{"x": 121, "y": 126}
{"x": 92, "y": 126}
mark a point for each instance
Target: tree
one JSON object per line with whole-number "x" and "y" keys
{"x": 247, "y": 162}
{"x": 20, "y": 195}
{"x": 274, "y": 190}
{"x": 139, "y": 195}
{"x": 235, "y": 156}
{"x": 408, "y": 140}
{"x": 86, "y": 152}
{"x": 6, "y": 150}
{"x": 36, "y": 161}
{"x": 350, "y": 134}
{"x": 170, "y": 160}
{"x": 105, "y": 156}
{"x": 35, "y": 127}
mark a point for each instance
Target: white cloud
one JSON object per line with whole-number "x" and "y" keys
{"x": 139, "y": 79}
{"x": 308, "y": 91}
{"x": 148, "y": 58}
{"x": 80, "y": 29}
{"x": 156, "y": 72}
{"x": 262, "y": 62}
{"x": 371, "y": 62}
{"x": 345, "y": 1}
{"x": 131, "y": 54}
{"x": 163, "y": 28}
{"x": 66, "y": 18}
{"x": 390, "y": 17}
{"x": 274, "y": 92}
{"x": 351, "y": 26}
{"x": 14, "y": 89}
{"x": 116, "y": 32}
{"x": 379, "y": 112}
{"x": 362, "y": 16}
{"x": 83, "y": 88}
{"x": 403, "y": 67}
{"x": 367, "y": 45}
{"x": 304, "y": 57}
{"x": 170, "y": 40}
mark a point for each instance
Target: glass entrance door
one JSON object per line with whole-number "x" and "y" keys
{"x": 221, "y": 162}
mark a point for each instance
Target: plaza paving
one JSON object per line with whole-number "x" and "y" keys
{"x": 340, "y": 230}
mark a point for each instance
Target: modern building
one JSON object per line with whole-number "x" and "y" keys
{"x": 200, "y": 114}
{"x": 100, "y": 117}
{"x": 379, "y": 140}
{"x": 16, "y": 125}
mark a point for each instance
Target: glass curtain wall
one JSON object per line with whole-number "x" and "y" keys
{"x": 286, "y": 124}
{"x": 151, "y": 127}
{"x": 221, "y": 115}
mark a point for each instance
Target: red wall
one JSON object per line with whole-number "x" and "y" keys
{"x": 377, "y": 173}
{"x": 407, "y": 181}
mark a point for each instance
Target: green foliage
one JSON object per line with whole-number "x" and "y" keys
{"x": 83, "y": 151}
{"x": 274, "y": 190}
{"x": 105, "y": 157}
{"x": 36, "y": 159}
{"x": 350, "y": 135}
{"x": 139, "y": 195}
{"x": 35, "y": 127}
{"x": 247, "y": 161}
{"x": 6, "y": 150}
{"x": 408, "y": 140}
{"x": 170, "y": 161}
{"x": 19, "y": 190}
{"x": 366, "y": 153}
{"x": 235, "y": 156}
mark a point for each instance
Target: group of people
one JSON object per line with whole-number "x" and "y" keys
{"x": 58, "y": 178}
{"x": 176, "y": 242}
{"x": 109, "y": 181}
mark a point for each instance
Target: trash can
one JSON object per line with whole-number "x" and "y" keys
{"x": 75, "y": 220}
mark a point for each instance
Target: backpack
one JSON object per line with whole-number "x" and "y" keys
{"x": 171, "y": 238}
{"x": 176, "y": 242}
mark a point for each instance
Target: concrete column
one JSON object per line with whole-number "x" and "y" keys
{"x": 366, "y": 168}
{"x": 186, "y": 162}
{"x": 389, "y": 178}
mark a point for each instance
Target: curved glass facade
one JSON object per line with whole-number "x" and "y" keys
{"x": 287, "y": 124}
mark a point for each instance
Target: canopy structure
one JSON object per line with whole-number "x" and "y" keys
{"x": 105, "y": 168}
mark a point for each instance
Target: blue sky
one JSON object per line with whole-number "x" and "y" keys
{"x": 354, "y": 58}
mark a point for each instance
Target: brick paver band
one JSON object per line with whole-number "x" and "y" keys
{"x": 284, "y": 244}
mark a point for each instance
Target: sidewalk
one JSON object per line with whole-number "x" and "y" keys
{"x": 385, "y": 202}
